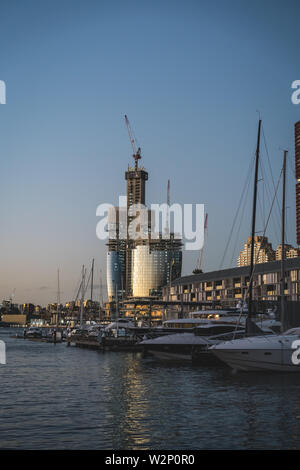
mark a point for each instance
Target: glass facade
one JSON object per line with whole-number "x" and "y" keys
{"x": 173, "y": 261}
{"x": 148, "y": 271}
{"x": 114, "y": 277}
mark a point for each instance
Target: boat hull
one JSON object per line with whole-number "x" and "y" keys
{"x": 170, "y": 355}
{"x": 258, "y": 360}
{"x": 187, "y": 353}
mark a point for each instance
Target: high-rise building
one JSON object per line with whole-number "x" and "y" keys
{"x": 136, "y": 178}
{"x": 116, "y": 254}
{"x": 138, "y": 266}
{"x": 297, "y": 168}
{"x": 154, "y": 264}
{"x": 290, "y": 251}
{"x": 263, "y": 251}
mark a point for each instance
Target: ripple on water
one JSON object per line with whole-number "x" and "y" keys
{"x": 58, "y": 397}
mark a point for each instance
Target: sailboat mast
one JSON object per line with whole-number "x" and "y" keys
{"x": 58, "y": 299}
{"x": 92, "y": 280}
{"x": 82, "y": 295}
{"x": 253, "y": 223}
{"x": 283, "y": 243}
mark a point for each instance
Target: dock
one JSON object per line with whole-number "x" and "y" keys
{"x": 107, "y": 343}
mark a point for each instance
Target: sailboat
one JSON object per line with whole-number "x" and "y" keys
{"x": 280, "y": 352}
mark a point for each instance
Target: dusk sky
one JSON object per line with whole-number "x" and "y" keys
{"x": 190, "y": 75}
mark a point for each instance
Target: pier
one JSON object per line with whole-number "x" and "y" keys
{"x": 107, "y": 343}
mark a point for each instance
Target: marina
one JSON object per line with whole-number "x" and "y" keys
{"x": 126, "y": 370}
{"x": 90, "y": 400}
{"x": 150, "y": 235}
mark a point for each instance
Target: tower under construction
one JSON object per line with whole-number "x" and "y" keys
{"x": 140, "y": 266}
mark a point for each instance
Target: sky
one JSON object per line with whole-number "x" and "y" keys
{"x": 193, "y": 77}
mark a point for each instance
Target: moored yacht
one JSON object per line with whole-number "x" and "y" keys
{"x": 208, "y": 317}
{"x": 188, "y": 345}
{"x": 280, "y": 352}
{"x": 33, "y": 332}
{"x": 260, "y": 353}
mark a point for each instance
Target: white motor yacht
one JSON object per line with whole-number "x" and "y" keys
{"x": 33, "y": 332}
{"x": 192, "y": 345}
{"x": 260, "y": 353}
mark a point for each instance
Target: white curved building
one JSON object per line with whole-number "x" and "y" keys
{"x": 148, "y": 271}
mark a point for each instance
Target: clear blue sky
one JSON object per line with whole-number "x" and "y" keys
{"x": 191, "y": 76}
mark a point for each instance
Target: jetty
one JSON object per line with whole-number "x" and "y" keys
{"x": 108, "y": 343}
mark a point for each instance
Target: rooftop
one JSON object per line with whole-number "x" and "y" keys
{"x": 259, "y": 268}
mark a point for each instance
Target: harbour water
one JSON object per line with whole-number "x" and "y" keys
{"x": 54, "y": 397}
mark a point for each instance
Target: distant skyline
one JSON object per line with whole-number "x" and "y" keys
{"x": 191, "y": 76}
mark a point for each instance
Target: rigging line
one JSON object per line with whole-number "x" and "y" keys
{"x": 261, "y": 208}
{"x": 269, "y": 162}
{"x": 276, "y": 224}
{"x": 255, "y": 264}
{"x": 292, "y": 168}
{"x": 234, "y": 251}
{"x": 237, "y": 211}
{"x": 240, "y": 224}
{"x": 270, "y": 190}
{"x": 276, "y": 227}
{"x": 263, "y": 202}
{"x": 89, "y": 279}
{"x": 78, "y": 286}
{"x": 288, "y": 224}
{"x": 77, "y": 295}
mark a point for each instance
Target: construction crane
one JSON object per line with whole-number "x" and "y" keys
{"x": 136, "y": 152}
{"x": 198, "y": 269}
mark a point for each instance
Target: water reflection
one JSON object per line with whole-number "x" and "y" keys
{"x": 58, "y": 397}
